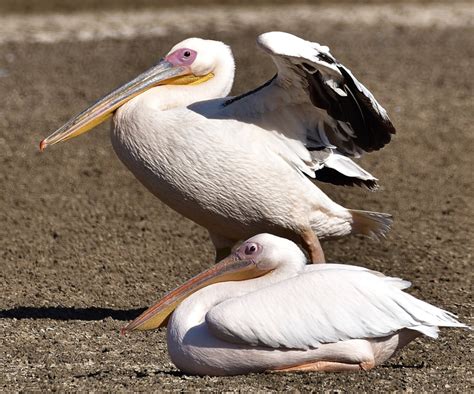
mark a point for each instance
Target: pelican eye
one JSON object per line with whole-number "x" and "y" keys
{"x": 250, "y": 249}
{"x": 182, "y": 57}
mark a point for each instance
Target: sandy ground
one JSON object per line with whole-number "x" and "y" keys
{"x": 84, "y": 247}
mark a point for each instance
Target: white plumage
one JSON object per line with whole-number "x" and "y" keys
{"x": 242, "y": 165}
{"x": 323, "y": 306}
{"x": 294, "y": 317}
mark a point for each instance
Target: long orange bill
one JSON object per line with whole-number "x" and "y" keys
{"x": 231, "y": 268}
{"x": 103, "y": 109}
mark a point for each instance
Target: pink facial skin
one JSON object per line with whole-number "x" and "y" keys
{"x": 182, "y": 57}
{"x": 249, "y": 249}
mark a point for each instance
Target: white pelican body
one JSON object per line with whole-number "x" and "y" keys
{"x": 241, "y": 188}
{"x": 295, "y": 317}
{"x": 242, "y": 165}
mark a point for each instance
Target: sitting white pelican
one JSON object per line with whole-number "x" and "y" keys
{"x": 290, "y": 316}
{"x": 239, "y": 166}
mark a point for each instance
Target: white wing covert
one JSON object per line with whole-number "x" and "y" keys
{"x": 324, "y": 305}
{"x": 324, "y": 106}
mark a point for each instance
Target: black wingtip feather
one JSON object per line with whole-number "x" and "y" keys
{"x": 329, "y": 175}
{"x": 372, "y": 130}
{"x": 379, "y": 129}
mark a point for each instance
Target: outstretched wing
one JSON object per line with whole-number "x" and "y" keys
{"x": 326, "y": 304}
{"x": 316, "y": 100}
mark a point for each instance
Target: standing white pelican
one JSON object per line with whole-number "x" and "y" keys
{"x": 290, "y": 316}
{"x": 239, "y": 166}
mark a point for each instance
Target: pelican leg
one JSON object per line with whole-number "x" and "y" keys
{"x": 222, "y": 245}
{"x": 312, "y": 246}
{"x": 329, "y": 366}
{"x": 222, "y": 253}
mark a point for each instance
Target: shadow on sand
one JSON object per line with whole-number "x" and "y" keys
{"x": 69, "y": 313}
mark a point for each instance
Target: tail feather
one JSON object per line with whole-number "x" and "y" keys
{"x": 371, "y": 224}
{"x": 428, "y": 317}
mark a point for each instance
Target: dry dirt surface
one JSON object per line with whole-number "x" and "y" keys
{"x": 84, "y": 247}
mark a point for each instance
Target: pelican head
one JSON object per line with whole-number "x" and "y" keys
{"x": 272, "y": 253}
{"x": 191, "y": 62}
{"x": 258, "y": 256}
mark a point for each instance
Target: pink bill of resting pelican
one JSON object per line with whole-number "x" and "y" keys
{"x": 244, "y": 165}
{"x": 272, "y": 312}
